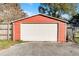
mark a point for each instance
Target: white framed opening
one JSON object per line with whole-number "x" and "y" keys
{"x": 38, "y": 32}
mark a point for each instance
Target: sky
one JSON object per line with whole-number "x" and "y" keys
{"x": 30, "y": 8}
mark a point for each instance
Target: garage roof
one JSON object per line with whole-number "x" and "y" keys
{"x": 41, "y": 15}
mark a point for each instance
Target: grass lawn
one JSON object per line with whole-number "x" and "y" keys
{"x": 77, "y": 39}
{"x": 7, "y": 43}
{"x": 77, "y": 34}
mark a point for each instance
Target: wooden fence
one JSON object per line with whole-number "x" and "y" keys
{"x": 4, "y": 31}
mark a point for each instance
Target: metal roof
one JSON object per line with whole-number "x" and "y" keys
{"x": 41, "y": 15}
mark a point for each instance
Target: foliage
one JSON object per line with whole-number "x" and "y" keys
{"x": 75, "y": 20}
{"x": 10, "y": 11}
{"x": 57, "y": 9}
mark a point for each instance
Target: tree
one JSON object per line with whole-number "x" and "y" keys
{"x": 57, "y": 9}
{"x": 75, "y": 20}
{"x": 60, "y": 10}
{"x": 10, "y": 12}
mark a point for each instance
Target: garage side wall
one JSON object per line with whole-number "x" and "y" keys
{"x": 62, "y": 32}
{"x": 16, "y": 31}
{"x": 40, "y": 20}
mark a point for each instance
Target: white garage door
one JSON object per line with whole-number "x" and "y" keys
{"x": 39, "y": 32}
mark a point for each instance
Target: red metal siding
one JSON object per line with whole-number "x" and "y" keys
{"x": 40, "y": 19}
{"x": 62, "y": 32}
{"x": 16, "y": 31}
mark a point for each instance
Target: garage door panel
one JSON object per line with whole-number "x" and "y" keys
{"x": 39, "y": 32}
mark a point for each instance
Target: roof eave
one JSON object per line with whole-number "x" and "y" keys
{"x": 42, "y": 15}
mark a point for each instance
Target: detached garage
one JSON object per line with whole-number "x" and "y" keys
{"x": 40, "y": 28}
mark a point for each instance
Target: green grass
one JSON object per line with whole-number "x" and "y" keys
{"x": 77, "y": 34}
{"x": 7, "y": 43}
{"x": 77, "y": 40}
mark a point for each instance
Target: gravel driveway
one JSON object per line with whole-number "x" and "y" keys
{"x": 42, "y": 49}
